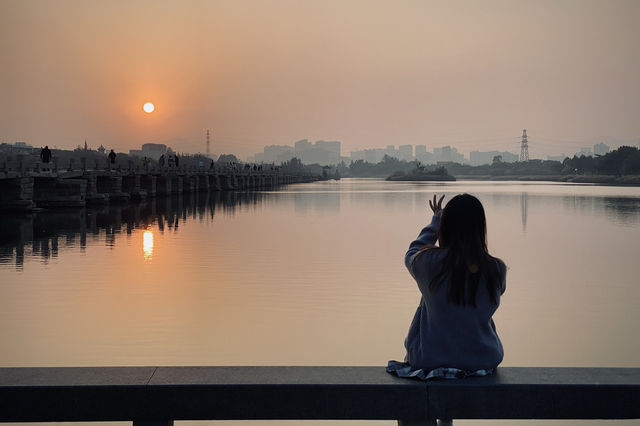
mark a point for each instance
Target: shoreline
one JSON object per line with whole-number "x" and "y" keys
{"x": 628, "y": 180}
{"x": 409, "y": 178}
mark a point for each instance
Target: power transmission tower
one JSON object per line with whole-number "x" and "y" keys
{"x": 208, "y": 145}
{"x": 524, "y": 147}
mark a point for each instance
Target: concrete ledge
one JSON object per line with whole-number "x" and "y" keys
{"x": 216, "y": 393}
{"x": 286, "y": 393}
{"x": 73, "y": 394}
{"x": 540, "y": 393}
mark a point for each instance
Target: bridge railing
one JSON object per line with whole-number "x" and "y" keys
{"x": 27, "y": 164}
{"x": 159, "y": 395}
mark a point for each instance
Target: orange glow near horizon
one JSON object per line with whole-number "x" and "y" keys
{"x": 442, "y": 73}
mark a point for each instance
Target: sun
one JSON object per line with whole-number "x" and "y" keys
{"x": 148, "y": 107}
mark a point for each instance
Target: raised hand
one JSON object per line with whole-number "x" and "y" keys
{"x": 436, "y": 206}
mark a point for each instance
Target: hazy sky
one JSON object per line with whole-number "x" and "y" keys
{"x": 472, "y": 74}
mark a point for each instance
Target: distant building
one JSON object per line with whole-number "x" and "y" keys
{"x": 601, "y": 148}
{"x": 478, "y": 158}
{"x": 376, "y": 155}
{"x": 277, "y": 154}
{"x": 332, "y": 148}
{"x": 391, "y": 151}
{"x": 405, "y": 152}
{"x": 448, "y": 154}
{"x": 150, "y": 150}
{"x": 320, "y": 152}
{"x": 301, "y": 147}
{"x": 16, "y": 147}
{"x": 357, "y": 155}
{"x": 424, "y": 156}
{"x": 154, "y": 150}
{"x": 372, "y": 156}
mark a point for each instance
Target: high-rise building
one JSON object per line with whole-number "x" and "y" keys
{"x": 391, "y": 151}
{"x": 321, "y": 152}
{"x": 277, "y": 153}
{"x": 371, "y": 156}
{"x": 332, "y": 148}
{"x": 423, "y": 156}
{"x": 405, "y": 152}
{"x": 601, "y": 148}
{"x": 357, "y": 155}
{"x": 447, "y": 154}
{"x": 300, "y": 147}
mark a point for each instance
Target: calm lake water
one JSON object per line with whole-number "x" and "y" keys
{"x": 312, "y": 274}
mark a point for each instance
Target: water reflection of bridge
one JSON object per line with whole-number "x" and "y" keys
{"x": 46, "y": 233}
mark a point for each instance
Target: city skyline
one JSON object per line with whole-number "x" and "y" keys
{"x": 462, "y": 74}
{"x": 281, "y": 153}
{"x": 329, "y": 153}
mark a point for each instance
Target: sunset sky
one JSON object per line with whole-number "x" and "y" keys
{"x": 471, "y": 74}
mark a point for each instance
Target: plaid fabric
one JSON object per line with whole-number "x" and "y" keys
{"x": 402, "y": 369}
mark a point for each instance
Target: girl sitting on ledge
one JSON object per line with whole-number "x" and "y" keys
{"x": 452, "y": 334}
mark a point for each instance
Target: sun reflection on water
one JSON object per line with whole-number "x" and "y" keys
{"x": 147, "y": 244}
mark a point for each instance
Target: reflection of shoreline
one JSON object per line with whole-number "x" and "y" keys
{"x": 46, "y": 233}
{"x": 629, "y": 180}
{"x": 623, "y": 210}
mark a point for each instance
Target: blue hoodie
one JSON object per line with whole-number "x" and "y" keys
{"x": 443, "y": 334}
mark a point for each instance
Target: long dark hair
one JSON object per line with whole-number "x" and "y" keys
{"x": 463, "y": 234}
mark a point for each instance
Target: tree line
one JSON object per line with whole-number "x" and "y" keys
{"x": 622, "y": 161}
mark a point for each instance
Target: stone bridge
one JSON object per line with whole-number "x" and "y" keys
{"x": 25, "y": 185}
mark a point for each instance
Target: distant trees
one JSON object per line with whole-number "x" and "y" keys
{"x": 228, "y": 158}
{"x": 440, "y": 171}
{"x": 622, "y": 161}
{"x": 292, "y": 166}
{"x": 386, "y": 167}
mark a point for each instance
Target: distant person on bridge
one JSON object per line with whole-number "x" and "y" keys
{"x": 452, "y": 334}
{"x": 45, "y": 154}
{"x": 177, "y": 161}
{"x": 112, "y": 157}
{"x": 161, "y": 160}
